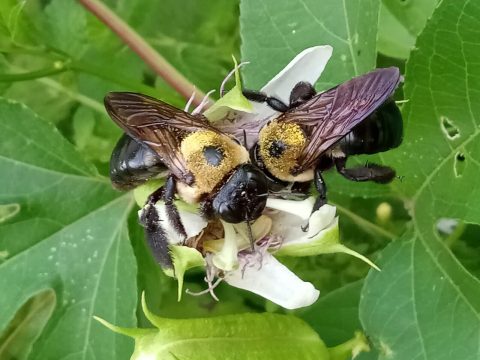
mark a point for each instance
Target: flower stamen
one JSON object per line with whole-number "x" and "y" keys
{"x": 205, "y": 100}
{"x": 230, "y": 74}
{"x": 189, "y": 102}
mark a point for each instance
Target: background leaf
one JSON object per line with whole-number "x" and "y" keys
{"x": 424, "y": 304}
{"x": 398, "y": 46}
{"x": 274, "y": 32}
{"x": 69, "y": 236}
{"x": 412, "y": 14}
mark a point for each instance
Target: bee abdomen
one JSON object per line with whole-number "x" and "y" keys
{"x": 132, "y": 163}
{"x": 381, "y": 131}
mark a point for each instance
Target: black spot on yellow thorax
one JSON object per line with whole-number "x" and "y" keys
{"x": 277, "y": 148}
{"x": 281, "y": 144}
{"x": 210, "y": 157}
{"x": 213, "y": 155}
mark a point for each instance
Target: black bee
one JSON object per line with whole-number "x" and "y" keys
{"x": 204, "y": 166}
{"x": 318, "y": 131}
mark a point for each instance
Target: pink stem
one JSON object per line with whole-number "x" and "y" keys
{"x": 147, "y": 53}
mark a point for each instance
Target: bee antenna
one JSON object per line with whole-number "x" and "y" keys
{"x": 245, "y": 138}
{"x": 250, "y": 236}
{"x": 230, "y": 74}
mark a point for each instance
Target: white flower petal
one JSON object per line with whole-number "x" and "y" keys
{"x": 306, "y": 66}
{"x": 321, "y": 219}
{"x": 301, "y": 209}
{"x": 275, "y": 282}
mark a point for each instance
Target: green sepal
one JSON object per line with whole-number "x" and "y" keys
{"x": 184, "y": 258}
{"x": 130, "y": 332}
{"x": 232, "y": 100}
{"x": 351, "y": 348}
{"x": 326, "y": 242}
{"x": 241, "y": 336}
{"x": 142, "y": 192}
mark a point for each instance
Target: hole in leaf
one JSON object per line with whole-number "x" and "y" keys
{"x": 459, "y": 164}
{"x": 8, "y": 211}
{"x": 462, "y": 239}
{"x": 26, "y": 326}
{"x": 451, "y": 131}
{"x": 446, "y": 226}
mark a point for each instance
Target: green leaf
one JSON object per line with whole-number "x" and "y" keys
{"x": 274, "y": 32}
{"x": 16, "y": 341}
{"x": 70, "y": 236}
{"x": 65, "y": 26}
{"x": 15, "y": 27}
{"x": 398, "y": 46}
{"x": 413, "y": 14}
{"x": 425, "y": 304}
{"x": 252, "y": 336}
{"x": 335, "y": 317}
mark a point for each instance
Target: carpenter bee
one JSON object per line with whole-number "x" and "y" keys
{"x": 318, "y": 131}
{"x": 203, "y": 165}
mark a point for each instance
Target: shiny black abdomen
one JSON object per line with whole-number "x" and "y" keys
{"x": 132, "y": 163}
{"x": 381, "y": 131}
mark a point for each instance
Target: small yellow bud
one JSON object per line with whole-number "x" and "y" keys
{"x": 384, "y": 212}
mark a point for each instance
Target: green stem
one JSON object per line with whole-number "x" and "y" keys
{"x": 91, "y": 103}
{"x": 85, "y": 100}
{"x": 147, "y": 53}
{"x": 364, "y": 222}
{"x": 32, "y": 75}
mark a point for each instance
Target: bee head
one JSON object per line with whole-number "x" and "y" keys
{"x": 243, "y": 196}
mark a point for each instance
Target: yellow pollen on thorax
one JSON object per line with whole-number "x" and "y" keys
{"x": 280, "y": 146}
{"x": 208, "y": 176}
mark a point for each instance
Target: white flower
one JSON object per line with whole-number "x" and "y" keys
{"x": 230, "y": 256}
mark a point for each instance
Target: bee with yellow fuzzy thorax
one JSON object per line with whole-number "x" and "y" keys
{"x": 315, "y": 132}
{"x": 205, "y": 166}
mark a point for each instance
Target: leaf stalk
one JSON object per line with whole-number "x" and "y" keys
{"x": 146, "y": 52}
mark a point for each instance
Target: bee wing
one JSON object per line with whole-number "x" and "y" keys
{"x": 331, "y": 115}
{"x": 157, "y": 124}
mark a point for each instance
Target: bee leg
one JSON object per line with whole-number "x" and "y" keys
{"x": 321, "y": 199}
{"x": 301, "y": 92}
{"x": 370, "y": 172}
{"x": 321, "y": 187}
{"x": 154, "y": 233}
{"x": 273, "y": 102}
{"x": 172, "y": 211}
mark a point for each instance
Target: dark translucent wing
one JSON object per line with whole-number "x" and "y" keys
{"x": 157, "y": 124}
{"x": 334, "y": 113}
